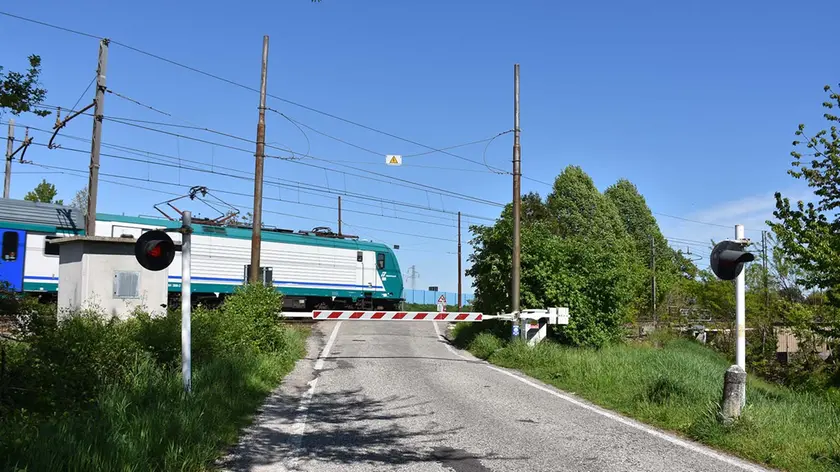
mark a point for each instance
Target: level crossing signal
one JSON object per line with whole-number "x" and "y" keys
{"x": 728, "y": 258}
{"x": 154, "y": 250}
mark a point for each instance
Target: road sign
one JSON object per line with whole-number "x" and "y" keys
{"x": 433, "y": 288}
{"x": 393, "y": 160}
{"x": 442, "y": 298}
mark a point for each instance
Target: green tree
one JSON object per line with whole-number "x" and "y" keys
{"x": 643, "y": 230}
{"x": 43, "y": 192}
{"x": 21, "y": 92}
{"x": 808, "y": 233}
{"x": 575, "y": 253}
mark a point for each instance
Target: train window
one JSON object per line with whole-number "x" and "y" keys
{"x": 380, "y": 261}
{"x": 359, "y": 256}
{"x": 10, "y": 245}
{"x": 49, "y": 248}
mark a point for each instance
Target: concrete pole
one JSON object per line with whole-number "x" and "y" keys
{"x": 256, "y": 232}
{"x": 7, "y": 182}
{"x": 517, "y": 203}
{"x": 98, "y": 114}
{"x": 459, "y": 261}
{"x": 186, "y": 305}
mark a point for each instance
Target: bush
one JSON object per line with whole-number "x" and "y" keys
{"x": 96, "y": 394}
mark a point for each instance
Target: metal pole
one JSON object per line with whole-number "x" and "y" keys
{"x": 459, "y": 261}
{"x": 517, "y": 200}
{"x": 740, "y": 311}
{"x": 186, "y": 305}
{"x": 9, "y": 149}
{"x": 98, "y": 112}
{"x": 256, "y": 233}
{"x": 339, "y": 215}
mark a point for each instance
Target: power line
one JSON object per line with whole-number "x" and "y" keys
{"x": 291, "y": 102}
{"x": 292, "y": 184}
{"x": 414, "y": 185}
{"x": 81, "y": 171}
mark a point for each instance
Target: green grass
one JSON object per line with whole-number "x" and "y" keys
{"x": 148, "y": 423}
{"x": 92, "y": 394}
{"x": 677, "y": 387}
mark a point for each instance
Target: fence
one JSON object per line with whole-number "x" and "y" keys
{"x": 430, "y": 298}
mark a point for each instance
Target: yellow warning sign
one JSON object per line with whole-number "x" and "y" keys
{"x": 393, "y": 160}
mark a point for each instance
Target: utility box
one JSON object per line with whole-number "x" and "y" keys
{"x": 102, "y": 274}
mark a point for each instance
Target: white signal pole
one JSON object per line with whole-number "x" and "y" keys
{"x": 186, "y": 305}
{"x": 740, "y": 310}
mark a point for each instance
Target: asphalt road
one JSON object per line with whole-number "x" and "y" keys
{"x": 382, "y": 396}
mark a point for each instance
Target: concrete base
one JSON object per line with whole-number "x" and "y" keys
{"x": 734, "y": 394}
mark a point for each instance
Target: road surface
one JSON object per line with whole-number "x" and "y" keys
{"x": 383, "y": 396}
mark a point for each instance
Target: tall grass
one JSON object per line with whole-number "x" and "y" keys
{"x": 677, "y": 386}
{"x": 135, "y": 415}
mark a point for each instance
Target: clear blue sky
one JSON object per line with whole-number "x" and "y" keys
{"x": 694, "y": 103}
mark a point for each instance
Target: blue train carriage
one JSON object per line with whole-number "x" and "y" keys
{"x": 27, "y": 261}
{"x": 312, "y": 269}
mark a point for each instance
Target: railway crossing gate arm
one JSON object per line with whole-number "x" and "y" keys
{"x": 533, "y": 322}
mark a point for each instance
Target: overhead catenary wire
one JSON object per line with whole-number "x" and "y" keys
{"x": 140, "y": 179}
{"x": 289, "y": 184}
{"x": 291, "y": 102}
{"x": 297, "y": 104}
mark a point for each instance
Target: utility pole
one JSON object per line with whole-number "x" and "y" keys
{"x": 339, "y": 215}
{"x": 10, "y": 144}
{"x": 98, "y": 113}
{"x": 653, "y": 273}
{"x": 256, "y": 233}
{"x": 413, "y": 275}
{"x": 459, "y": 261}
{"x": 517, "y": 201}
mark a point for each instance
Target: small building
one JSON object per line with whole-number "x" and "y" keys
{"x": 102, "y": 274}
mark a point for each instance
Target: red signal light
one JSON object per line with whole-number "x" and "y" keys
{"x": 154, "y": 252}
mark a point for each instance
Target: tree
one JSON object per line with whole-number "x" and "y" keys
{"x": 43, "y": 192}
{"x": 565, "y": 261}
{"x": 80, "y": 200}
{"x": 808, "y": 233}
{"x": 643, "y": 229}
{"x": 22, "y": 92}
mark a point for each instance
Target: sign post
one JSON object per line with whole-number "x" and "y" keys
{"x": 441, "y": 302}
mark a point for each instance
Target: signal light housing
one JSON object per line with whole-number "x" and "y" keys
{"x": 728, "y": 258}
{"x": 154, "y": 250}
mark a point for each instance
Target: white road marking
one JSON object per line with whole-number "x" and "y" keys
{"x": 613, "y": 416}
{"x": 299, "y": 426}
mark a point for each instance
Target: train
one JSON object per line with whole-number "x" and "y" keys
{"x": 314, "y": 270}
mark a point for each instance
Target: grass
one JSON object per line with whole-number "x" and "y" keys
{"x": 123, "y": 408}
{"x": 677, "y": 387}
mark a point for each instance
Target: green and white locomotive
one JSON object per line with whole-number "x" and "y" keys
{"x": 313, "y": 269}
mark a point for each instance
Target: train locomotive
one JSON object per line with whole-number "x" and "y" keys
{"x": 313, "y": 269}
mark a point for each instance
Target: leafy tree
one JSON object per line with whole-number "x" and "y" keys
{"x": 80, "y": 200}
{"x": 22, "y": 92}
{"x": 580, "y": 209}
{"x": 643, "y": 229}
{"x": 565, "y": 261}
{"x": 808, "y": 232}
{"x": 43, "y": 192}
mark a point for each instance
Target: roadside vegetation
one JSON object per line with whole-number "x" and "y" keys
{"x": 676, "y": 384}
{"x": 88, "y": 393}
{"x": 593, "y": 252}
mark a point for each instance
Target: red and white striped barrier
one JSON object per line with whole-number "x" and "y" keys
{"x": 395, "y": 316}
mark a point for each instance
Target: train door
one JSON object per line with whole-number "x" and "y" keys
{"x": 11, "y": 259}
